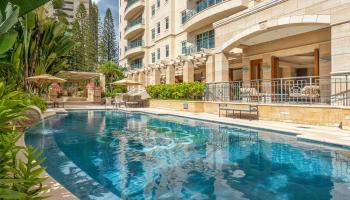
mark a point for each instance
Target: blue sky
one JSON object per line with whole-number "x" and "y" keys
{"x": 113, "y": 5}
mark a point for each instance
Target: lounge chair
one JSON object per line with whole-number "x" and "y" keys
{"x": 249, "y": 94}
{"x": 134, "y": 101}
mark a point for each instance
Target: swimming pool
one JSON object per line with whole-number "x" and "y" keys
{"x": 115, "y": 154}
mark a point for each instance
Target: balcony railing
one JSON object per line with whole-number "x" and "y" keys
{"x": 201, "y": 6}
{"x": 295, "y": 90}
{"x": 134, "y": 66}
{"x": 130, "y": 3}
{"x": 133, "y": 23}
{"x": 134, "y": 44}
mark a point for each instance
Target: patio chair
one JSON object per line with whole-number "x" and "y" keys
{"x": 310, "y": 92}
{"x": 134, "y": 101}
{"x": 249, "y": 94}
{"x": 61, "y": 101}
{"x": 119, "y": 100}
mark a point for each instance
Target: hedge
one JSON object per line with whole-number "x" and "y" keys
{"x": 179, "y": 91}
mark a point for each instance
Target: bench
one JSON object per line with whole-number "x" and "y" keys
{"x": 250, "y": 109}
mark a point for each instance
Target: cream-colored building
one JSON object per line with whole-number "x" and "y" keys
{"x": 246, "y": 50}
{"x": 70, "y": 7}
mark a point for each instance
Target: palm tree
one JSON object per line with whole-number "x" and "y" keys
{"x": 112, "y": 71}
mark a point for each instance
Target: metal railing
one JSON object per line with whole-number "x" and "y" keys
{"x": 293, "y": 90}
{"x": 133, "y": 23}
{"x": 201, "y": 6}
{"x": 134, "y": 44}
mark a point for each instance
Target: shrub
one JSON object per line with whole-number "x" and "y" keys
{"x": 179, "y": 91}
{"x": 38, "y": 102}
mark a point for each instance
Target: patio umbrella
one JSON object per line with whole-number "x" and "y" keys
{"x": 126, "y": 82}
{"x": 46, "y": 78}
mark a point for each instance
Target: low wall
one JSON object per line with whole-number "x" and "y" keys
{"x": 304, "y": 114}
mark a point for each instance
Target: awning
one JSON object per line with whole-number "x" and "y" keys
{"x": 72, "y": 76}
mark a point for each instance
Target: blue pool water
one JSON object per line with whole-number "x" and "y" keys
{"x": 113, "y": 154}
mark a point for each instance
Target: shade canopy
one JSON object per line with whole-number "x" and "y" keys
{"x": 46, "y": 78}
{"x": 126, "y": 82}
{"x": 72, "y": 76}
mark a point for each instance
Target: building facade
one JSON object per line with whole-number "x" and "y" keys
{"x": 70, "y": 7}
{"x": 245, "y": 50}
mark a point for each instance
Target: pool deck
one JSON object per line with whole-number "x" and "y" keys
{"x": 308, "y": 133}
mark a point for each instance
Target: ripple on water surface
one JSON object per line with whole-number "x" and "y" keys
{"x": 112, "y": 155}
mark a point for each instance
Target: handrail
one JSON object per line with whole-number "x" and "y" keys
{"x": 130, "y": 3}
{"x": 135, "y": 22}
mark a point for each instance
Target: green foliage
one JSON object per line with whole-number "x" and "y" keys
{"x": 110, "y": 94}
{"x": 19, "y": 178}
{"x": 58, "y": 4}
{"x": 7, "y": 21}
{"x": 179, "y": 91}
{"x": 40, "y": 48}
{"x": 38, "y": 102}
{"x": 84, "y": 57}
{"x": 108, "y": 49}
{"x": 26, "y": 6}
{"x": 112, "y": 72}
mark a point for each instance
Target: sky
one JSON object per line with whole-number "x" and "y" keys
{"x": 113, "y": 5}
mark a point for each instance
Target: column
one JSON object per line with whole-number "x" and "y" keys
{"x": 222, "y": 87}
{"x": 265, "y": 86}
{"x": 188, "y": 72}
{"x": 142, "y": 79}
{"x": 221, "y": 68}
{"x": 156, "y": 76}
{"x": 246, "y": 71}
{"x": 340, "y": 41}
{"x": 210, "y": 69}
{"x": 170, "y": 74}
{"x": 325, "y": 71}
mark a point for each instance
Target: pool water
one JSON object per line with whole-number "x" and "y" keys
{"x": 119, "y": 155}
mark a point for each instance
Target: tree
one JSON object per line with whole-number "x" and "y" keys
{"x": 79, "y": 30}
{"x": 112, "y": 72}
{"x": 108, "y": 49}
{"x": 92, "y": 37}
{"x": 84, "y": 57}
{"x": 41, "y": 47}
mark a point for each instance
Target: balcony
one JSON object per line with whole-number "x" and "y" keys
{"x": 134, "y": 48}
{"x": 209, "y": 11}
{"x": 134, "y": 28}
{"x": 133, "y": 7}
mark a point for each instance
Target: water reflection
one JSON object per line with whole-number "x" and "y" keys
{"x": 112, "y": 155}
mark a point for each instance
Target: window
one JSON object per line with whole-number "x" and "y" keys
{"x": 153, "y": 57}
{"x": 153, "y": 34}
{"x": 183, "y": 47}
{"x": 205, "y": 40}
{"x": 167, "y": 51}
{"x": 136, "y": 64}
{"x": 158, "y": 54}
{"x": 153, "y": 8}
{"x": 167, "y": 23}
{"x": 183, "y": 17}
{"x": 158, "y": 3}
{"x": 158, "y": 28}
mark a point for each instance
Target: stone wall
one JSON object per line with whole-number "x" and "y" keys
{"x": 303, "y": 114}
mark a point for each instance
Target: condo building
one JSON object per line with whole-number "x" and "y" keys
{"x": 70, "y": 7}
{"x": 245, "y": 50}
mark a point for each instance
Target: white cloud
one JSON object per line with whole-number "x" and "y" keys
{"x": 96, "y": 1}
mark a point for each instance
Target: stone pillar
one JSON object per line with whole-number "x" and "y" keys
{"x": 188, "y": 72}
{"x": 221, "y": 68}
{"x": 222, "y": 86}
{"x": 170, "y": 74}
{"x": 103, "y": 82}
{"x": 324, "y": 72}
{"x": 340, "y": 40}
{"x": 265, "y": 86}
{"x": 141, "y": 79}
{"x": 246, "y": 71}
{"x": 210, "y": 69}
{"x": 155, "y": 76}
